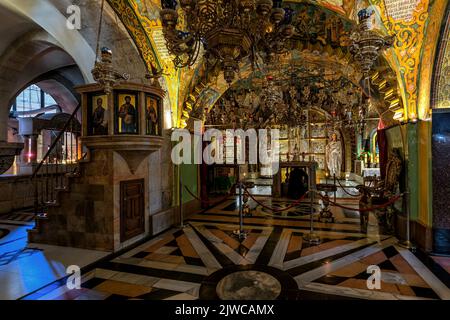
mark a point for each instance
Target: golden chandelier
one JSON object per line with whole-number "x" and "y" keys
{"x": 228, "y": 31}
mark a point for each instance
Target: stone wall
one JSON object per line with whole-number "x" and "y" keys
{"x": 16, "y": 193}
{"x": 83, "y": 216}
{"x": 163, "y": 209}
{"x": 161, "y": 179}
{"x": 88, "y": 214}
{"x": 114, "y": 36}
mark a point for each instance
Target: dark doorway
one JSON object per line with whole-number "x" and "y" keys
{"x": 132, "y": 216}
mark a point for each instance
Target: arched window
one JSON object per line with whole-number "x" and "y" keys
{"x": 31, "y": 99}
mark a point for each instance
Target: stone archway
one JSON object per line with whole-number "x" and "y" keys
{"x": 41, "y": 56}
{"x": 49, "y": 18}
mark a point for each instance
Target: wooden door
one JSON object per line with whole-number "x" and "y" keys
{"x": 132, "y": 211}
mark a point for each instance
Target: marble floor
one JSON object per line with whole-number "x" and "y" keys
{"x": 206, "y": 261}
{"x": 26, "y": 268}
{"x": 345, "y": 188}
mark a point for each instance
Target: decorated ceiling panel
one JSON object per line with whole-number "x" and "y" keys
{"x": 407, "y": 19}
{"x": 441, "y": 86}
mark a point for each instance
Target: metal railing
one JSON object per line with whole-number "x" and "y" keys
{"x": 60, "y": 162}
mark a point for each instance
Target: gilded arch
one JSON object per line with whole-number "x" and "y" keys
{"x": 441, "y": 83}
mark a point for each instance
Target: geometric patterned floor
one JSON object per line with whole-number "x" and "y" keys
{"x": 3, "y": 233}
{"x": 188, "y": 264}
{"x": 17, "y": 218}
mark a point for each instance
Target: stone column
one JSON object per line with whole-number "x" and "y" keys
{"x": 4, "y": 115}
{"x": 441, "y": 180}
{"x": 29, "y": 153}
{"x": 8, "y": 151}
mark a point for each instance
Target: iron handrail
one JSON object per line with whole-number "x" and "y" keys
{"x": 55, "y": 142}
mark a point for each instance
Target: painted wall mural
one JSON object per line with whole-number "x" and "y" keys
{"x": 141, "y": 18}
{"x": 401, "y": 9}
{"x": 407, "y": 19}
{"x": 343, "y": 7}
{"x": 128, "y": 15}
{"x": 441, "y": 94}
{"x": 335, "y": 5}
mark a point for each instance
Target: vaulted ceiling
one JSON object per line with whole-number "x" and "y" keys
{"x": 403, "y": 76}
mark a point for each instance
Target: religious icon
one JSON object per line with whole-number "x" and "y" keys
{"x": 152, "y": 116}
{"x": 334, "y": 156}
{"x": 296, "y": 153}
{"x": 127, "y": 113}
{"x": 100, "y": 115}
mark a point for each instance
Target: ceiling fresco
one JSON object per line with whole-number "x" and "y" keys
{"x": 407, "y": 20}
{"x": 397, "y": 78}
{"x": 441, "y": 86}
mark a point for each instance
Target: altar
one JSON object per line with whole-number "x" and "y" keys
{"x": 371, "y": 172}
{"x": 280, "y": 180}
{"x": 221, "y": 177}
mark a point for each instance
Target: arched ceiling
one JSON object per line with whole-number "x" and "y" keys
{"x": 410, "y": 20}
{"x": 36, "y": 46}
{"x": 441, "y": 81}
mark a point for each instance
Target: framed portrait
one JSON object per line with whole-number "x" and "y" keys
{"x": 153, "y": 119}
{"x": 98, "y": 111}
{"x": 127, "y": 114}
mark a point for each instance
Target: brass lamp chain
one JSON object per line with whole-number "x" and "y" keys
{"x": 99, "y": 31}
{"x": 388, "y": 20}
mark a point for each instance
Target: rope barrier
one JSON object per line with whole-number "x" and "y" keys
{"x": 208, "y": 203}
{"x": 343, "y": 188}
{"x": 381, "y": 206}
{"x": 294, "y": 204}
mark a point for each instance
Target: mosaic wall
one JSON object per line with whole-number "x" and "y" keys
{"x": 441, "y": 96}
{"x": 441, "y": 180}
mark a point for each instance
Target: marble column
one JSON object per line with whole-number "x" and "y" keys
{"x": 441, "y": 180}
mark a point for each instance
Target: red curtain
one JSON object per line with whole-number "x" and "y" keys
{"x": 383, "y": 148}
{"x": 204, "y": 180}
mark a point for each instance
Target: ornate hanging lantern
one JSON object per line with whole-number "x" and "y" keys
{"x": 228, "y": 31}
{"x": 104, "y": 73}
{"x": 366, "y": 44}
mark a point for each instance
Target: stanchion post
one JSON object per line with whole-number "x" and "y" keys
{"x": 312, "y": 237}
{"x": 241, "y": 220}
{"x": 334, "y": 175}
{"x": 241, "y": 234}
{"x": 407, "y": 244}
{"x": 180, "y": 198}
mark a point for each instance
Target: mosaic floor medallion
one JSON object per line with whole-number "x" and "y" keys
{"x": 248, "y": 285}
